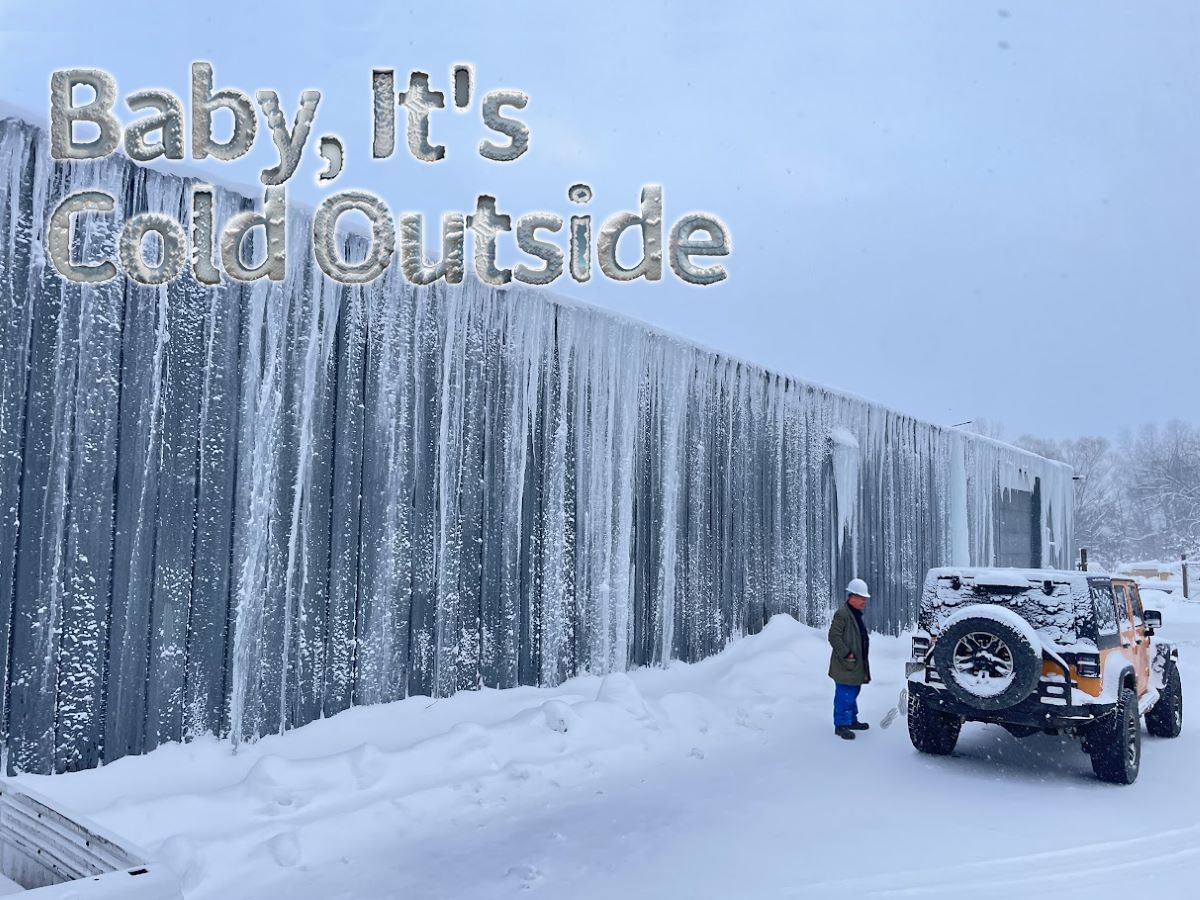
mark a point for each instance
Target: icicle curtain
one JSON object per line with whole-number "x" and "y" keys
{"x": 234, "y": 510}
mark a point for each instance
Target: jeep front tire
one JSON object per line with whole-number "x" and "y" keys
{"x": 1165, "y": 718}
{"x": 1114, "y": 742}
{"x": 931, "y": 730}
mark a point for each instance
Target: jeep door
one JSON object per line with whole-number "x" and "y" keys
{"x": 1141, "y": 640}
{"x": 1132, "y": 636}
{"x": 1109, "y": 639}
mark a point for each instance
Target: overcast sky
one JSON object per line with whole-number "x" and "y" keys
{"x": 959, "y": 209}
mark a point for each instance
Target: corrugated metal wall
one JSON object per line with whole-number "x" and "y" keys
{"x": 235, "y": 510}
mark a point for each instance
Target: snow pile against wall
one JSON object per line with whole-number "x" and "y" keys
{"x": 236, "y": 510}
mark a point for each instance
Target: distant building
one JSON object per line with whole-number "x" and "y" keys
{"x": 1151, "y": 571}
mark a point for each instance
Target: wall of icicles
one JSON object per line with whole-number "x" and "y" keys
{"x": 235, "y": 510}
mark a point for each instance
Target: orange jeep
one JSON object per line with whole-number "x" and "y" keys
{"x": 1042, "y": 651}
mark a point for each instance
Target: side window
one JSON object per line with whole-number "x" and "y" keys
{"x": 1121, "y": 593}
{"x": 1135, "y": 600}
{"x": 1106, "y": 610}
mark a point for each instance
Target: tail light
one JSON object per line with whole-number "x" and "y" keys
{"x": 1087, "y": 665}
{"x": 920, "y": 648}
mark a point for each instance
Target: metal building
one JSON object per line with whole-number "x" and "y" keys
{"x": 237, "y": 509}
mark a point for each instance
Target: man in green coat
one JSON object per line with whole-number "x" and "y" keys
{"x": 849, "y": 666}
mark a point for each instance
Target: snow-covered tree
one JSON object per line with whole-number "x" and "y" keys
{"x": 1138, "y": 500}
{"x": 1100, "y": 519}
{"x": 1161, "y": 471}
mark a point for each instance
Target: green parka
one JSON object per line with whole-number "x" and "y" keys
{"x": 846, "y": 641}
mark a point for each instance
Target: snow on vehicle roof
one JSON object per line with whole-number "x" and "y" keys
{"x": 1022, "y": 578}
{"x": 1061, "y": 611}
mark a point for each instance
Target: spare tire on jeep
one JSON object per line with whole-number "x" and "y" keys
{"x": 987, "y": 661}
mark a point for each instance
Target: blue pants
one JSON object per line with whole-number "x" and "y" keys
{"x": 845, "y": 704}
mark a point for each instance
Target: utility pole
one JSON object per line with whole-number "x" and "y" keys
{"x": 1083, "y": 559}
{"x": 1185, "y": 577}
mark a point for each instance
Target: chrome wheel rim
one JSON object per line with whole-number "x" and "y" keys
{"x": 983, "y": 655}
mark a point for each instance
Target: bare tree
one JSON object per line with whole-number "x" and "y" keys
{"x": 1138, "y": 500}
{"x": 1162, "y": 484}
{"x": 1100, "y": 520}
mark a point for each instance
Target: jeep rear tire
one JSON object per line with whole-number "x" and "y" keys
{"x": 1165, "y": 718}
{"x": 1115, "y": 742}
{"x": 977, "y": 653}
{"x": 931, "y": 730}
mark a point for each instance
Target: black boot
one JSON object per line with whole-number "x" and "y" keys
{"x": 844, "y": 732}
{"x": 859, "y": 726}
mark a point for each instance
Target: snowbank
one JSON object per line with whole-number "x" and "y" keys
{"x": 316, "y": 794}
{"x": 717, "y": 779}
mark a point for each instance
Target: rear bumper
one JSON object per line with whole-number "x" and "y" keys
{"x": 1034, "y": 712}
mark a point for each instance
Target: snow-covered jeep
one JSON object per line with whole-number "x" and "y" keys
{"x": 1042, "y": 651}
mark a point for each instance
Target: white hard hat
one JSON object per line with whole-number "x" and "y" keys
{"x": 859, "y": 587}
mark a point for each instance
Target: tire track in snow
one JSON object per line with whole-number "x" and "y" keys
{"x": 1082, "y": 864}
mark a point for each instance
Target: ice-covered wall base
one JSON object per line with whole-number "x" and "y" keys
{"x": 235, "y": 510}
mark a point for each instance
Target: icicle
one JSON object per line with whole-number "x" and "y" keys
{"x": 389, "y": 490}
{"x": 845, "y": 480}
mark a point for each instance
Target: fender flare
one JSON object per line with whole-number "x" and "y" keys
{"x": 1165, "y": 655}
{"x": 1118, "y": 671}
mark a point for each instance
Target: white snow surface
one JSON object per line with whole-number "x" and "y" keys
{"x": 1002, "y": 578}
{"x": 1054, "y": 616}
{"x": 1010, "y": 577}
{"x": 719, "y": 779}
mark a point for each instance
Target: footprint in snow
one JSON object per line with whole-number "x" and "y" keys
{"x": 527, "y": 873}
{"x": 368, "y": 765}
{"x": 284, "y": 849}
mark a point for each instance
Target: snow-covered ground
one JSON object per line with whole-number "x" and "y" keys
{"x": 721, "y": 779}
